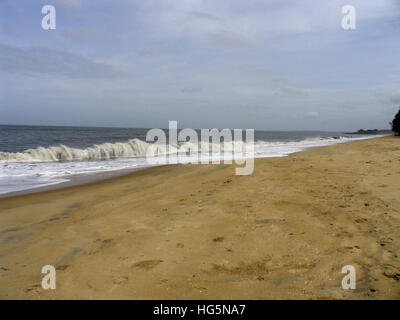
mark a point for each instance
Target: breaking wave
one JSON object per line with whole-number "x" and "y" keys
{"x": 106, "y": 151}
{"x": 132, "y": 149}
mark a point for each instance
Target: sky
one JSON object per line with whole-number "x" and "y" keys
{"x": 267, "y": 65}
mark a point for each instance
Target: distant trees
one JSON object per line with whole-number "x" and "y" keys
{"x": 369, "y": 131}
{"x": 396, "y": 123}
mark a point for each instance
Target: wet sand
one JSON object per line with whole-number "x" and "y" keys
{"x": 200, "y": 232}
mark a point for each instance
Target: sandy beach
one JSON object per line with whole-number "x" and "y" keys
{"x": 200, "y": 232}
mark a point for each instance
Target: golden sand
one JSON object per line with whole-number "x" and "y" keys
{"x": 199, "y": 231}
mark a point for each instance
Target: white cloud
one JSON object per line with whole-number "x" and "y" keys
{"x": 294, "y": 91}
{"x": 203, "y": 15}
{"x": 145, "y": 51}
{"x": 312, "y": 114}
{"x": 78, "y": 33}
{"x": 69, "y": 4}
{"x": 42, "y": 60}
{"x": 190, "y": 90}
{"x": 395, "y": 97}
{"x": 233, "y": 40}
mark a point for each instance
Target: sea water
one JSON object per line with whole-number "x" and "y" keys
{"x": 37, "y": 156}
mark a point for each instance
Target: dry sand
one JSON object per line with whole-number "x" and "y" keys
{"x": 199, "y": 231}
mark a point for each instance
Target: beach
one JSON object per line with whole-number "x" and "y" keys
{"x": 201, "y": 232}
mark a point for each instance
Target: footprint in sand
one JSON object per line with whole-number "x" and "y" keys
{"x": 147, "y": 264}
{"x": 121, "y": 280}
{"x": 385, "y": 240}
{"x": 218, "y": 239}
{"x": 392, "y": 272}
{"x": 101, "y": 244}
{"x": 62, "y": 267}
{"x": 34, "y": 288}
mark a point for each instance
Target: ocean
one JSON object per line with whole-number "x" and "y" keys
{"x": 38, "y": 156}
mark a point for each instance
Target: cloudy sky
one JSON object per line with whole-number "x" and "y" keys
{"x": 273, "y": 65}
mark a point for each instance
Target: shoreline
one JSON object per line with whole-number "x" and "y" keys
{"x": 200, "y": 232}
{"x": 75, "y": 180}
{"x": 82, "y": 179}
